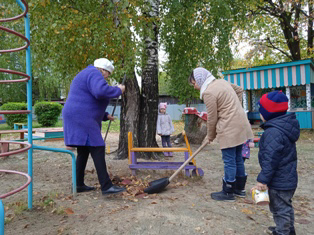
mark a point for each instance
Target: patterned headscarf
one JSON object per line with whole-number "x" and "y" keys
{"x": 202, "y": 78}
{"x": 200, "y": 75}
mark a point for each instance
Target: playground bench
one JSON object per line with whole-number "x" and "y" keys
{"x": 51, "y": 133}
{"x": 134, "y": 164}
{"x": 18, "y": 126}
{"x": 4, "y": 146}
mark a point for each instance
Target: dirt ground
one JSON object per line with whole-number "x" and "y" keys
{"x": 184, "y": 208}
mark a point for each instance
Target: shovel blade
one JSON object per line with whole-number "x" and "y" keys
{"x": 157, "y": 186}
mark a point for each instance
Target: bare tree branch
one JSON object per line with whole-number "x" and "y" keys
{"x": 277, "y": 48}
{"x": 271, "y": 11}
{"x": 298, "y": 6}
{"x": 271, "y": 3}
{"x": 306, "y": 15}
{"x": 281, "y": 4}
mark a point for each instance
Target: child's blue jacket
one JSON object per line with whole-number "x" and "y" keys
{"x": 277, "y": 153}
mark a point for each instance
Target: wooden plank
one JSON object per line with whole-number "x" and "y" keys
{"x": 133, "y": 158}
{"x": 159, "y": 166}
{"x": 54, "y": 134}
{"x": 163, "y": 163}
{"x": 130, "y": 145}
{"x": 188, "y": 146}
{"x": 4, "y": 147}
{"x": 22, "y": 132}
{"x": 44, "y": 130}
{"x": 14, "y": 131}
{"x": 159, "y": 150}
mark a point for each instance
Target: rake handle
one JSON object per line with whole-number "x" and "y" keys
{"x": 114, "y": 109}
{"x": 187, "y": 161}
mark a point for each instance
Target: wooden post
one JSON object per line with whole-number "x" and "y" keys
{"x": 186, "y": 157}
{"x": 308, "y": 97}
{"x": 130, "y": 145}
{"x": 288, "y": 95}
{"x": 245, "y": 101}
{"x": 134, "y": 161}
{"x": 188, "y": 146}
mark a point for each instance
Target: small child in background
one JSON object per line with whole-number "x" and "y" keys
{"x": 246, "y": 152}
{"x": 164, "y": 127}
{"x": 278, "y": 159}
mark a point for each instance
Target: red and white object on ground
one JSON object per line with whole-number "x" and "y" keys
{"x": 190, "y": 110}
{"x": 203, "y": 115}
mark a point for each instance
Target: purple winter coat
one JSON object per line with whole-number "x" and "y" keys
{"x": 85, "y": 108}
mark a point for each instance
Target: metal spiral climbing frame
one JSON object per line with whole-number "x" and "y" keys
{"x": 25, "y": 77}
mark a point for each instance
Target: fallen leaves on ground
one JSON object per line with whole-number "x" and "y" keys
{"x": 134, "y": 187}
{"x": 118, "y": 209}
{"x": 69, "y": 211}
{"x": 250, "y": 217}
{"x": 247, "y": 211}
{"x": 247, "y": 201}
{"x": 26, "y": 226}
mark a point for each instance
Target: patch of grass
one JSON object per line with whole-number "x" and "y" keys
{"x": 307, "y": 135}
{"x": 114, "y": 126}
{"x": 5, "y": 126}
{"x": 47, "y": 201}
{"x": 37, "y": 125}
{"x": 8, "y": 220}
{"x": 178, "y": 126}
{"x": 59, "y": 211}
{"x": 18, "y": 207}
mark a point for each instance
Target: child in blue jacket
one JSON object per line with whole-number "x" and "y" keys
{"x": 278, "y": 159}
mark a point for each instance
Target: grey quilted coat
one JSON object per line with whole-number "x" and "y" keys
{"x": 164, "y": 124}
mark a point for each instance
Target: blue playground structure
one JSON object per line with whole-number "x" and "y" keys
{"x": 27, "y": 146}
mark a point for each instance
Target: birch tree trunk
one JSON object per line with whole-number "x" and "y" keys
{"x": 149, "y": 96}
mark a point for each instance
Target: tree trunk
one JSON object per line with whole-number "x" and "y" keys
{"x": 291, "y": 36}
{"x": 149, "y": 96}
{"x": 310, "y": 33}
{"x": 195, "y": 129}
{"x": 129, "y": 116}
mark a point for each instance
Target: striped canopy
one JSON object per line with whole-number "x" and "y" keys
{"x": 272, "y": 76}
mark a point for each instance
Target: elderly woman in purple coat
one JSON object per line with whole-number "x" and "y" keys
{"x": 83, "y": 113}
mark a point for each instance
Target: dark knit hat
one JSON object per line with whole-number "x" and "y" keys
{"x": 273, "y": 104}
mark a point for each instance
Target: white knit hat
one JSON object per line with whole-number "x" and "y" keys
{"x": 104, "y": 63}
